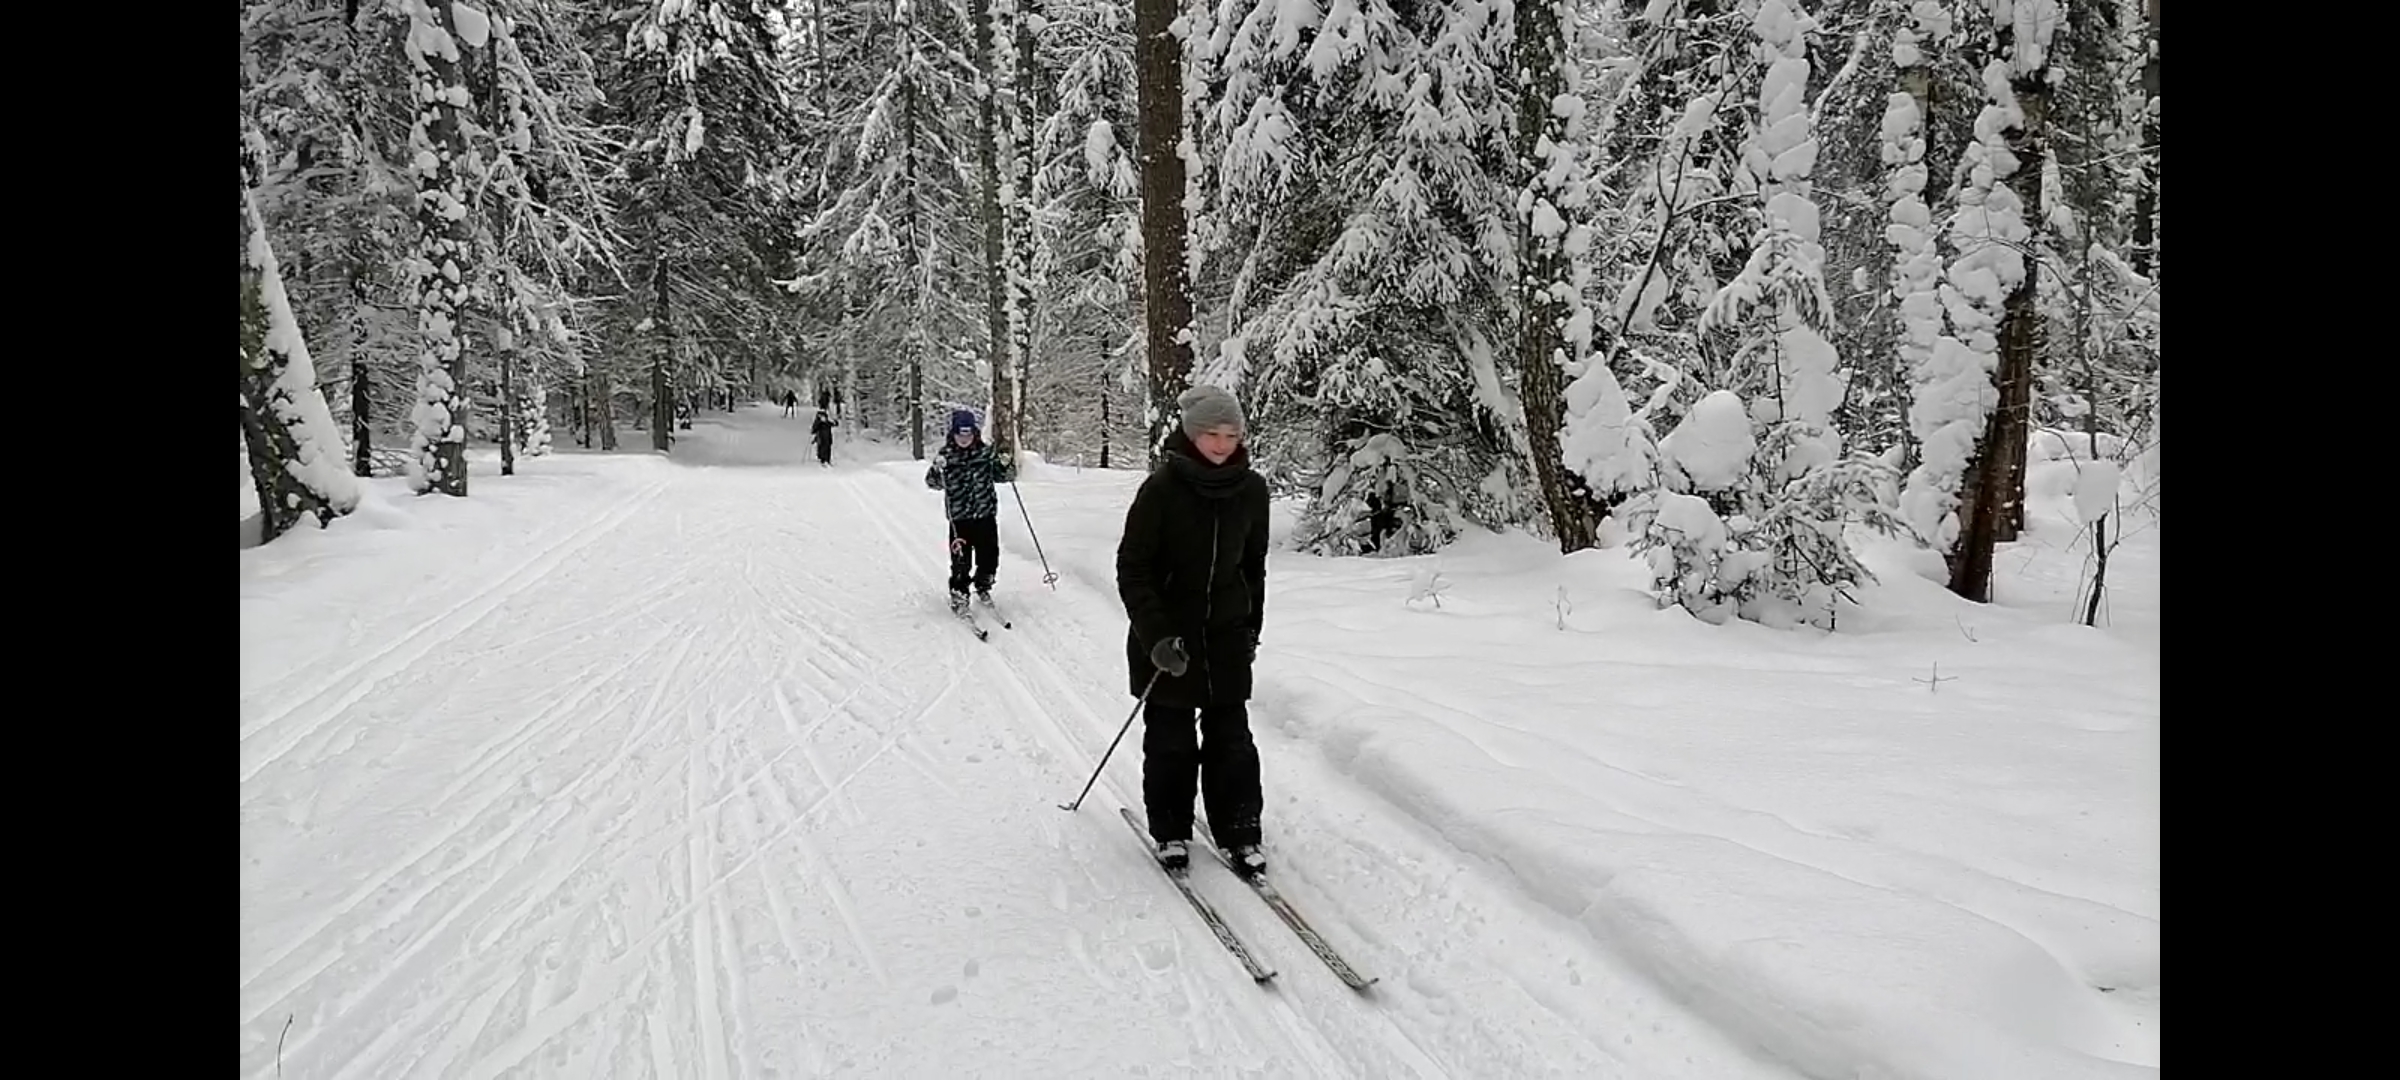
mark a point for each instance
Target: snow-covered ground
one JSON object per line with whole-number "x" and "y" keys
{"x": 631, "y": 766}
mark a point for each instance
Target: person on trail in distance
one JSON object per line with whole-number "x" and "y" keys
{"x": 1192, "y": 570}
{"x": 966, "y": 474}
{"x": 822, "y": 431}
{"x": 791, "y": 401}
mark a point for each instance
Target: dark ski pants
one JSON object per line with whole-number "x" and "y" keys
{"x": 974, "y": 544}
{"x": 825, "y": 451}
{"x": 1222, "y": 764}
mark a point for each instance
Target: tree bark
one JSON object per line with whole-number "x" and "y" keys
{"x": 282, "y": 499}
{"x": 1542, "y": 269}
{"x": 1995, "y": 485}
{"x": 1166, "y": 291}
{"x": 508, "y": 399}
{"x": 662, "y": 344}
{"x": 444, "y": 246}
{"x": 2023, "y": 327}
{"x": 362, "y": 429}
{"x": 604, "y": 414}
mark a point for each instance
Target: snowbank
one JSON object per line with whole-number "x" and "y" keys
{"x": 1926, "y": 845}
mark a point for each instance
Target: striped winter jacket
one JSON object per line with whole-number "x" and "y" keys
{"x": 966, "y": 477}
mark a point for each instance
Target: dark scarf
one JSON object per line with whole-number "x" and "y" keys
{"x": 1211, "y": 481}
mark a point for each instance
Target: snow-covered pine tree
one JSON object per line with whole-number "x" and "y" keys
{"x": 1085, "y": 193}
{"x": 1782, "y": 490}
{"x": 1962, "y": 409}
{"x": 327, "y": 87}
{"x": 699, "y": 88}
{"x": 292, "y": 445}
{"x": 892, "y": 248}
{"x": 1916, "y": 272}
{"x": 1554, "y": 325}
{"x": 543, "y": 213}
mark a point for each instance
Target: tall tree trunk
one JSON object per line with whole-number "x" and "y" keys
{"x": 1542, "y": 272}
{"x": 1994, "y": 487}
{"x": 919, "y": 273}
{"x": 288, "y": 433}
{"x": 1003, "y": 423}
{"x": 2023, "y": 327}
{"x": 1104, "y": 421}
{"x": 662, "y": 346}
{"x": 506, "y": 339}
{"x": 443, "y": 251}
{"x": 1031, "y": 105}
{"x": 604, "y": 413}
{"x": 282, "y": 499}
{"x": 362, "y": 429}
{"x": 361, "y": 258}
{"x": 1166, "y": 291}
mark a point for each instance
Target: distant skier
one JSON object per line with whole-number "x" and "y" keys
{"x": 822, "y": 431}
{"x": 966, "y": 475}
{"x": 791, "y": 401}
{"x": 1192, "y": 571}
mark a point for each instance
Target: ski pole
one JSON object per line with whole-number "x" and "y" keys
{"x": 1112, "y": 744}
{"x": 1049, "y": 577}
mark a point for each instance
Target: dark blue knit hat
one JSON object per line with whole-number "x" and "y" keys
{"x": 962, "y": 420}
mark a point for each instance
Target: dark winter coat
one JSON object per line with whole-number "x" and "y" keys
{"x": 966, "y": 477}
{"x": 1193, "y": 564}
{"x": 822, "y": 430}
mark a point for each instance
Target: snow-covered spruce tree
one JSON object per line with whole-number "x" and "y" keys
{"x": 293, "y": 448}
{"x": 697, "y": 85}
{"x": 1363, "y": 212}
{"x": 543, "y": 212}
{"x": 891, "y": 250}
{"x": 327, "y": 86}
{"x": 1085, "y": 193}
{"x": 1679, "y": 221}
{"x": 2094, "y": 352}
{"x": 1956, "y": 497}
{"x": 1781, "y": 489}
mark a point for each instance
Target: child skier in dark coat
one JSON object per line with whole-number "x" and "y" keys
{"x": 822, "y": 432}
{"x": 1192, "y": 571}
{"x": 966, "y": 475}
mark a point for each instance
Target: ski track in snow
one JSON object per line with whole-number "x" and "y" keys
{"x": 706, "y": 784}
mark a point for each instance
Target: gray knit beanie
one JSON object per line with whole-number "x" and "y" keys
{"x": 1205, "y": 407}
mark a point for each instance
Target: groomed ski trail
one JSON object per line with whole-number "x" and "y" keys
{"x": 703, "y": 781}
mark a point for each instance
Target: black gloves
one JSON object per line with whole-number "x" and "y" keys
{"x": 1167, "y": 656}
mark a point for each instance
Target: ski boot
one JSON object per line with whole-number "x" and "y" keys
{"x": 1248, "y": 860}
{"x": 1175, "y": 854}
{"x": 958, "y": 604}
